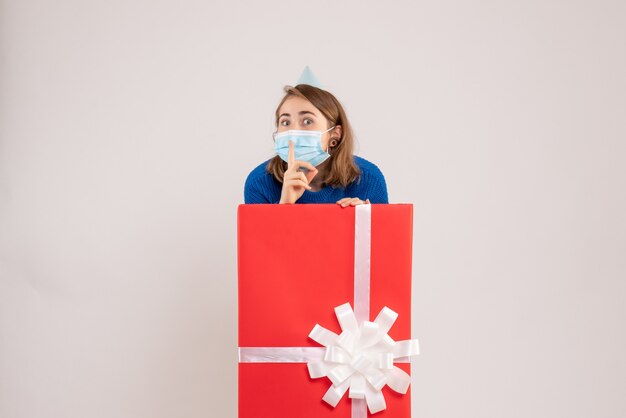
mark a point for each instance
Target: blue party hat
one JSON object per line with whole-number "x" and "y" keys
{"x": 307, "y": 77}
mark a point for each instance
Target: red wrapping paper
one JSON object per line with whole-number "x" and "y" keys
{"x": 295, "y": 265}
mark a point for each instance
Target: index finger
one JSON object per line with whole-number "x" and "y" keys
{"x": 292, "y": 155}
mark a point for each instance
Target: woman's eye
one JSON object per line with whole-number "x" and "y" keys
{"x": 284, "y": 122}
{"x": 307, "y": 120}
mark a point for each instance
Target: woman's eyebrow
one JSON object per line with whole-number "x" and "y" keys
{"x": 304, "y": 112}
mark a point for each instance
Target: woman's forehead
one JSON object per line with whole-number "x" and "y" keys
{"x": 294, "y": 105}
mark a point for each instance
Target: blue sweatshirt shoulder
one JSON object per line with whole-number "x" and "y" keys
{"x": 368, "y": 168}
{"x": 371, "y": 182}
{"x": 260, "y": 186}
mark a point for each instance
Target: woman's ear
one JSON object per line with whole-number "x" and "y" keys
{"x": 337, "y": 132}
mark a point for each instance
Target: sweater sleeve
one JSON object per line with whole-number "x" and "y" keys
{"x": 377, "y": 192}
{"x": 252, "y": 193}
{"x": 376, "y": 188}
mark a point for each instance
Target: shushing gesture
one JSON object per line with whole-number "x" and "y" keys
{"x": 294, "y": 181}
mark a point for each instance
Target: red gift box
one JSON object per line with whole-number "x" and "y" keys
{"x": 296, "y": 264}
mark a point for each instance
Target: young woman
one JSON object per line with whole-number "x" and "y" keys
{"x": 315, "y": 161}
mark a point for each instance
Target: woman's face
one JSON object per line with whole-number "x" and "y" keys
{"x": 297, "y": 113}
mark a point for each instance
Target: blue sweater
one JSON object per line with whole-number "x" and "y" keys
{"x": 262, "y": 187}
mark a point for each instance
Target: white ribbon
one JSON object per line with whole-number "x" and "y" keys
{"x": 359, "y": 360}
{"x": 362, "y": 253}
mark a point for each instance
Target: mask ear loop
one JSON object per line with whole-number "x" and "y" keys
{"x": 328, "y": 146}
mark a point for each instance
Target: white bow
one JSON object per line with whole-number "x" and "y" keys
{"x": 361, "y": 358}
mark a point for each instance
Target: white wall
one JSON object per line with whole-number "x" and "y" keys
{"x": 127, "y": 129}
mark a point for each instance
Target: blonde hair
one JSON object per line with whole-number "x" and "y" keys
{"x": 343, "y": 169}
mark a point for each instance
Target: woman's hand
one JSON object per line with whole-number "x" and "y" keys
{"x": 294, "y": 181}
{"x": 352, "y": 201}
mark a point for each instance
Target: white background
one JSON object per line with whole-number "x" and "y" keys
{"x": 127, "y": 129}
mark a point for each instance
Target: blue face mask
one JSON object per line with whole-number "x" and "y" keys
{"x": 307, "y": 146}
